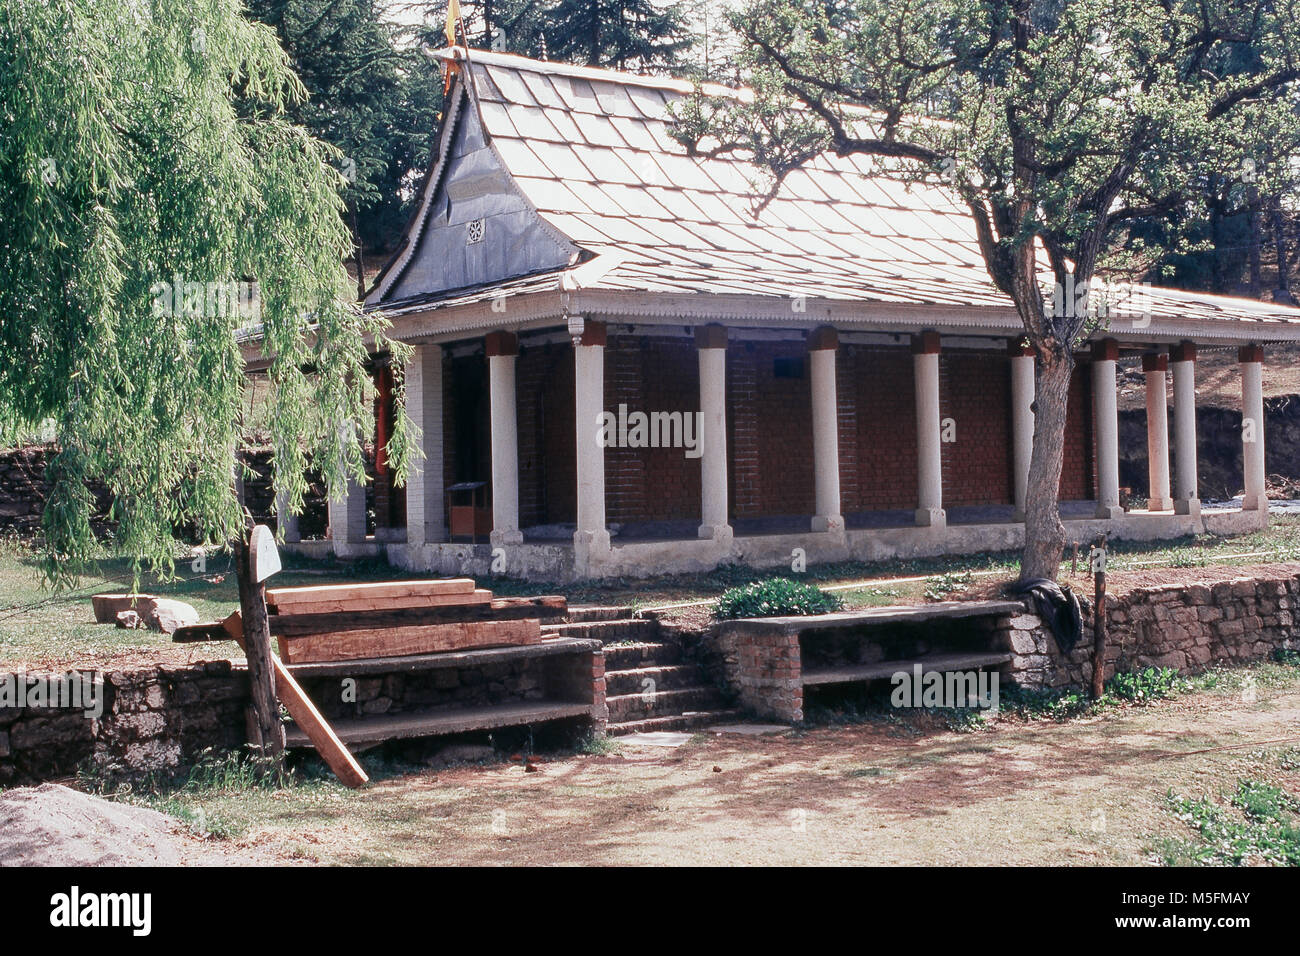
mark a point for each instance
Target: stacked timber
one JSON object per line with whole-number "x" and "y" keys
{"x": 399, "y": 618}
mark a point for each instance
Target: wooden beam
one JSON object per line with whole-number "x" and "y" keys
{"x": 500, "y": 609}
{"x": 403, "y": 641}
{"x": 307, "y": 717}
{"x": 285, "y": 597}
{"x": 364, "y": 603}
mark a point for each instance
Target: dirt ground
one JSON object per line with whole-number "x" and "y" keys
{"x": 1086, "y": 792}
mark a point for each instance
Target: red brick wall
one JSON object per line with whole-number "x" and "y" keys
{"x": 651, "y": 374}
{"x": 975, "y": 392}
{"x": 770, "y": 431}
{"x": 878, "y": 384}
{"x": 548, "y": 469}
{"x": 1078, "y": 471}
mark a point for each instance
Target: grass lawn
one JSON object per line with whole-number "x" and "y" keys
{"x": 38, "y": 626}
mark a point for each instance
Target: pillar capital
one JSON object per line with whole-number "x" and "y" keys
{"x": 1250, "y": 353}
{"x": 1155, "y": 362}
{"x": 1105, "y": 350}
{"x": 501, "y": 343}
{"x": 823, "y": 339}
{"x": 712, "y": 336}
{"x": 926, "y": 343}
{"x": 1183, "y": 352}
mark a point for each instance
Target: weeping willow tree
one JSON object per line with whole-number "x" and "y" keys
{"x": 159, "y": 212}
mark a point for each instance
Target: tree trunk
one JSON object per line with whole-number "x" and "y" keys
{"x": 257, "y": 648}
{"x": 1044, "y": 532}
{"x": 361, "y": 255}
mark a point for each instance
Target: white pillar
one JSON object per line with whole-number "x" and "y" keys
{"x": 823, "y": 347}
{"x": 286, "y": 522}
{"x": 502, "y": 349}
{"x": 589, "y": 403}
{"x": 1105, "y": 404}
{"x": 1251, "y": 358}
{"x": 348, "y": 513}
{"x": 1186, "y": 499}
{"x": 711, "y": 343}
{"x": 1154, "y": 366}
{"x": 425, "y": 497}
{"x": 929, "y": 447}
{"x": 1023, "y": 388}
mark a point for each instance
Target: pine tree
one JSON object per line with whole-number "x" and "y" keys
{"x": 623, "y": 34}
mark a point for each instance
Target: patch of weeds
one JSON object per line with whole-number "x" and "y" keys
{"x": 1144, "y": 686}
{"x": 1287, "y": 656}
{"x": 1259, "y": 824}
{"x": 1030, "y": 704}
{"x": 599, "y": 746}
{"x": 963, "y": 720}
{"x": 858, "y": 773}
{"x": 200, "y": 822}
{"x": 775, "y": 597}
{"x": 941, "y": 586}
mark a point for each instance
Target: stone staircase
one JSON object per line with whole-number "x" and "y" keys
{"x": 649, "y": 684}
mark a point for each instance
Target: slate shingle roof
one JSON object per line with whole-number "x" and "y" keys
{"x": 591, "y": 150}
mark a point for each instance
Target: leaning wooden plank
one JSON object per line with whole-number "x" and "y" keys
{"x": 284, "y": 597}
{"x": 403, "y": 641}
{"x": 307, "y": 718}
{"x": 345, "y": 605}
{"x": 510, "y": 609}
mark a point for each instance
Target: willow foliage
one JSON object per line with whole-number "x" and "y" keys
{"x": 157, "y": 212}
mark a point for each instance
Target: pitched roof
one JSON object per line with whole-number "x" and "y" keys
{"x": 590, "y": 150}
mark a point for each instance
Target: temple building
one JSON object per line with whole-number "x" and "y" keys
{"x": 623, "y": 367}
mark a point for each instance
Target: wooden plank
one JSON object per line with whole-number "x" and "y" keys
{"x": 193, "y": 633}
{"x": 402, "y": 641}
{"x": 500, "y": 609}
{"x": 885, "y": 669}
{"x": 420, "y": 663}
{"x": 284, "y": 597}
{"x": 311, "y": 726}
{"x": 369, "y": 730}
{"x": 345, "y": 605}
{"x": 317, "y": 729}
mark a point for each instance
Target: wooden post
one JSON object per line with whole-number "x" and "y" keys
{"x": 269, "y": 731}
{"x": 1099, "y": 620}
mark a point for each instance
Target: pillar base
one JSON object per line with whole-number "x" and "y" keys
{"x": 591, "y": 541}
{"x": 1254, "y": 503}
{"x": 1160, "y": 504}
{"x": 1188, "y": 506}
{"x": 1018, "y": 516}
{"x": 721, "y": 533}
{"x": 828, "y": 523}
{"x": 931, "y": 518}
{"x": 1109, "y": 511}
{"x": 501, "y": 538}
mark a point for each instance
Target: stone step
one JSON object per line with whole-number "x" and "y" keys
{"x": 694, "y": 720}
{"x": 623, "y": 629}
{"x": 640, "y": 654}
{"x": 667, "y": 703}
{"x": 632, "y": 680}
{"x": 587, "y": 615}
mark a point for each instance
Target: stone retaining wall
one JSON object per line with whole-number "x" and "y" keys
{"x": 1187, "y": 627}
{"x": 153, "y": 720}
{"x": 157, "y": 720}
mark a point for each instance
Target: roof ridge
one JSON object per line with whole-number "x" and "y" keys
{"x": 515, "y": 61}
